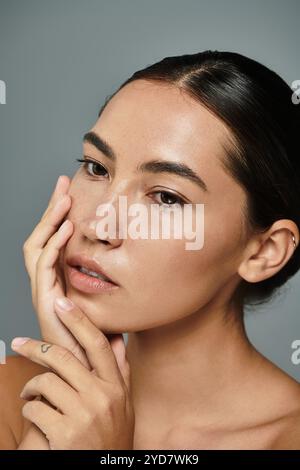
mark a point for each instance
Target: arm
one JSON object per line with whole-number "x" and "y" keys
{"x": 13, "y": 426}
{"x": 7, "y": 437}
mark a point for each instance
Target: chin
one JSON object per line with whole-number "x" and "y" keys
{"x": 101, "y": 319}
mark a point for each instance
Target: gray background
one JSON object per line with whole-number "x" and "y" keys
{"x": 60, "y": 59}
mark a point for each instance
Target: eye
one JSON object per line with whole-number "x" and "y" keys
{"x": 92, "y": 168}
{"x": 169, "y": 199}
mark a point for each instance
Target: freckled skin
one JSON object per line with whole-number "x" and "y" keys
{"x": 143, "y": 122}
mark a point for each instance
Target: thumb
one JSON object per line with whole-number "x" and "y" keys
{"x": 118, "y": 346}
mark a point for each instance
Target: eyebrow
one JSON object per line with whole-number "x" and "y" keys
{"x": 153, "y": 166}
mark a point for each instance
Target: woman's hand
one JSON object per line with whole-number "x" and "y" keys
{"x": 41, "y": 253}
{"x": 86, "y": 409}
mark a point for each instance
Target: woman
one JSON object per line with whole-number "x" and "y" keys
{"x": 213, "y": 128}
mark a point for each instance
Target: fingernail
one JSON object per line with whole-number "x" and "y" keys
{"x": 62, "y": 227}
{"x": 16, "y": 342}
{"x": 64, "y": 303}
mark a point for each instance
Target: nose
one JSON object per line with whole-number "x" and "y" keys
{"x": 103, "y": 223}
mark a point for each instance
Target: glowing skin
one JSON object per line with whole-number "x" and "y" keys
{"x": 152, "y": 271}
{"x": 188, "y": 351}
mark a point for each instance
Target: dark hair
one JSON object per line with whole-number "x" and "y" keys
{"x": 256, "y": 105}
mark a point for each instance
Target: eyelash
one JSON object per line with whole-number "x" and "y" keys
{"x": 85, "y": 162}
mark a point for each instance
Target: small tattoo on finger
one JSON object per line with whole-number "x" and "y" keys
{"x": 45, "y": 347}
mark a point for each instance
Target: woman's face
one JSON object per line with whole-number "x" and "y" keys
{"x": 160, "y": 281}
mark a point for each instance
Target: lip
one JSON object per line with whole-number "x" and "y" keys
{"x": 84, "y": 282}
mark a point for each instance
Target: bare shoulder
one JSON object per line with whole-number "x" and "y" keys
{"x": 279, "y": 428}
{"x": 285, "y": 398}
{"x": 267, "y": 417}
{"x": 276, "y": 400}
{"x": 13, "y": 376}
{"x": 288, "y": 437}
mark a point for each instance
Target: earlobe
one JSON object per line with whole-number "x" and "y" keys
{"x": 252, "y": 270}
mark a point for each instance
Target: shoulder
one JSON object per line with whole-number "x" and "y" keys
{"x": 276, "y": 398}
{"x": 282, "y": 402}
{"x": 289, "y": 436}
{"x": 13, "y": 376}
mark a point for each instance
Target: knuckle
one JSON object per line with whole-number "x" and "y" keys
{"x": 76, "y": 350}
{"x": 111, "y": 404}
{"x": 101, "y": 342}
{"x": 86, "y": 417}
{"x": 69, "y": 437}
{"x": 26, "y": 247}
{"x": 119, "y": 397}
{"x": 78, "y": 317}
{"x": 106, "y": 403}
{"x": 46, "y": 378}
{"x": 63, "y": 355}
{"x": 30, "y": 408}
{"x": 38, "y": 380}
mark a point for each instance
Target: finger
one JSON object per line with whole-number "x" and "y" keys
{"x": 56, "y": 357}
{"x": 48, "y": 225}
{"x": 45, "y": 272}
{"x": 43, "y": 231}
{"x": 61, "y": 188}
{"x": 118, "y": 346}
{"x": 54, "y": 389}
{"x": 46, "y": 277}
{"x": 93, "y": 341}
{"x": 43, "y": 416}
{"x": 62, "y": 235}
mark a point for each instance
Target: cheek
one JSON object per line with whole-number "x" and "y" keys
{"x": 164, "y": 281}
{"x": 86, "y": 196}
{"x": 181, "y": 280}
{"x": 169, "y": 265}
{"x": 176, "y": 281}
{"x": 83, "y": 199}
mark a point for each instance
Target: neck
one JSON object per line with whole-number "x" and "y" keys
{"x": 195, "y": 363}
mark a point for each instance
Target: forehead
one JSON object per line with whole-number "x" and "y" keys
{"x": 147, "y": 120}
{"x": 164, "y": 119}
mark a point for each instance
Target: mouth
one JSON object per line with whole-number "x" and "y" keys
{"x": 86, "y": 274}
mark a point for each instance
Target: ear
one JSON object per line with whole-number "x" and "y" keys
{"x": 268, "y": 253}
